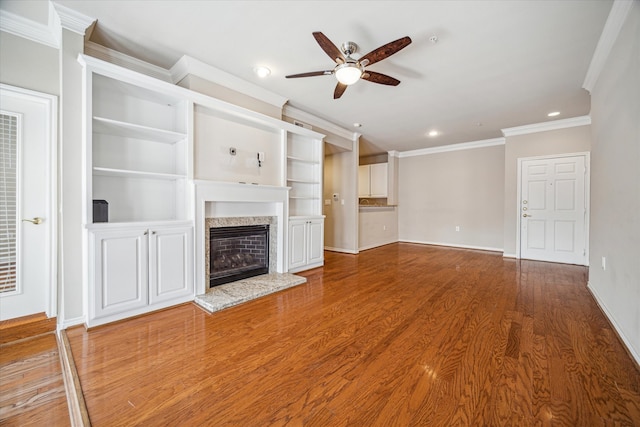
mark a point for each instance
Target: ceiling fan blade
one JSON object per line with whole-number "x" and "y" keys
{"x": 328, "y": 47}
{"x": 310, "y": 74}
{"x": 383, "y": 79}
{"x": 387, "y": 50}
{"x": 340, "y": 88}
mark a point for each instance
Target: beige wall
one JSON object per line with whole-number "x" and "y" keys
{"x": 340, "y": 232}
{"x": 562, "y": 141}
{"x": 438, "y": 192}
{"x": 198, "y": 84}
{"x": 28, "y": 64}
{"x": 377, "y": 227}
{"x": 615, "y": 185}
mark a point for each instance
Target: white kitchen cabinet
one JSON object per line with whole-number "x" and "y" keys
{"x": 373, "y": 180}
{"x": 138, "y": 269}
{"x": 306, "y": 243}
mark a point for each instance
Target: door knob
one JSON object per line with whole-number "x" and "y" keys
{"x": 37, "y": 220}
{"x": 526, "y": 215}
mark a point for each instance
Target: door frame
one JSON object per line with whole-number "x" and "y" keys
{"x": 587, "y": 185}
{"x": 50, "y": 103}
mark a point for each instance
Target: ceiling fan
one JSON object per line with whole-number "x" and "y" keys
{"x": 349, "y": 70}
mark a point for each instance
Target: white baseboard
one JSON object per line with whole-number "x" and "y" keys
{"x": 345, "y": 251}
{"x": 506, "y": 255}
{"x": 453, "y": 245}
{"x": 376, "y": 245}
{"x": 612, "y": 320}
{"x": 67, "y": 323}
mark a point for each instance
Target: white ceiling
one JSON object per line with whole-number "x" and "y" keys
{"x": 497, "y": 64}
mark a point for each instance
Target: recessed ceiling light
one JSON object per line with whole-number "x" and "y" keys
{"x": 434, "y": 133}
{"x": 553, "y": 114}
{"x": 262, "y": 72}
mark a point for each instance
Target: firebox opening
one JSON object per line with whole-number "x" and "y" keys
{"x": 238, "y": 253}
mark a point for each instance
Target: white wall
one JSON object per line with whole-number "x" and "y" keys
{"x": 214, "y": 134}
{"x": 437, "y": 192}
{"x": 561, "y": 141}
{"x": 615, "y": 185}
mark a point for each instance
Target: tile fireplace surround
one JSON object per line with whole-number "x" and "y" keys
{"x": 226, "y": 204}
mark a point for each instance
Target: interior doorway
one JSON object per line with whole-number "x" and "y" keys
{"x": 553, "y": 208}
{"x": 28, "y": 192}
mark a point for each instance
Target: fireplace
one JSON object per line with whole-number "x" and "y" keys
{"x": 238, "y": 252}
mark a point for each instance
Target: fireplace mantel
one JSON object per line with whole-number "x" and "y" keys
{"x": 231, "y": 199}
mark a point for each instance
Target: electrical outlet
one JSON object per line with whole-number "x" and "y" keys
{"x": 604, "y": 262}
{"x": 457, "y": 228}
{"x": 327, "y": 201}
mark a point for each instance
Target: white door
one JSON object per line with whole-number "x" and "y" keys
{"x": 170, "y": 263}
{"x": 121, "y": 271}
{"x": 553, "y": 209}
{"x": 27, "y": 214}
{"x": 315, "y": 250}
{"x": 297, "y": 243}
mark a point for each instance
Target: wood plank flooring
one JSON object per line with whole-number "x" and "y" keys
{"x": 402, "y": 335}
{"x": 32, "y": 390}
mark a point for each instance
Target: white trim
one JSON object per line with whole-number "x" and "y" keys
{"x": 296, "y": 113}
{"x": 613, "y": 322}
{"x": 587, "y": 190}
{"x": 68, "y": 323}
{"x": 393, "y": 153}
{"x": 118, "y": 58}
{"x": 72, "y": 20}
{"x": 453, "y": 147}
{"x": 188, "y": 65}
{"x": 453, "y": 245}
{"x": 28, "y": 29}
{"x": 50, "y": 102}
{"x": 506, "y": 255}
{"x": 610, "y": 32}
{"x": 341, "y": 250}
{"x": 545, "y": 126}
{"x": 376, "y": 245}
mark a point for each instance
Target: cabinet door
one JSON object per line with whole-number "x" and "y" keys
{"x": 170, "y": 263}
{"x": 363, "y": 181}
{"x": 120, "y": 271}
{"x": 315, "y": 244}
{"x": 297, "y": 244}
{"x": 378, "y": 180}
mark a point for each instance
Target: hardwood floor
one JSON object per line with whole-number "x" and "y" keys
{"x": 399, "y": 335}
{"x": 32, "y": 390}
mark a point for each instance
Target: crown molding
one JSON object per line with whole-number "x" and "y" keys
{"x": 453, "y": 147}
{"x": 296, "y": 113}
{"x": 72, "y": 20}
{"x": 189, "y": 65}
{"x": 393, "y": 153}
{"x": 28, "y": 29}
{"x": 545, "y": 126}
{"x": 126, "y": 61}
{"x": 610, "y": 32}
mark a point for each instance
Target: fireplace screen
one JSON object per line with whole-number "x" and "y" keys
{"x": 237, "y": 253}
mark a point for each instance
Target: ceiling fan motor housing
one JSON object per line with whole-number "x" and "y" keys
{"x": 349, "y": 48}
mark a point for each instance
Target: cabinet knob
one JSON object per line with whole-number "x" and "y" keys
{"x": 146, "y": 233}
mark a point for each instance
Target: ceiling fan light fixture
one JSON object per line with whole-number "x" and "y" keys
{"x": 348, "y": 73}
{"x": 262, "y": 71}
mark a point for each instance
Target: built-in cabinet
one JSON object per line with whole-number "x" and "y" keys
{"x": 139, "y": 153}
{"x": 306, "y": 243}
{"x": 306, "y": 222}
{"x": 135, "y": 269}
{"x": 138, "y": 162}
{"x": 373, "y": 180}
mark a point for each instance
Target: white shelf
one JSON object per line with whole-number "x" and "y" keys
{"x": 303, "y": 198}
{"x": 302, "y": 181}
{"x": 123, "y": 173}
{"x": 130, "y": 130}
{"x": 301, "y": 160}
